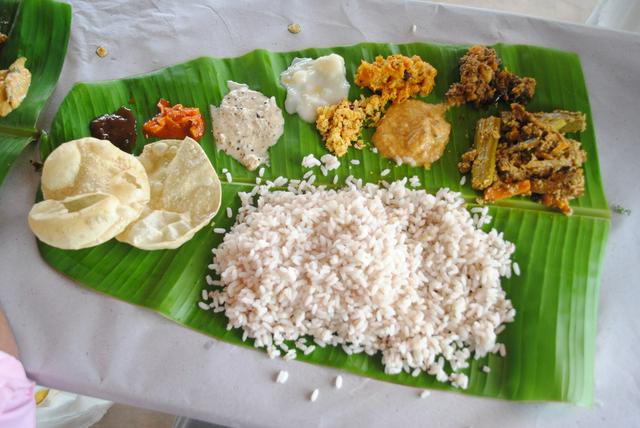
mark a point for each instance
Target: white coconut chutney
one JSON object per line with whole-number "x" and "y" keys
{"x": 246, "y": 124}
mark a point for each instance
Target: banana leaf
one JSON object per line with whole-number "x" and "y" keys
{"x": 551, "y": 344}
{"x": 38, "y": 30}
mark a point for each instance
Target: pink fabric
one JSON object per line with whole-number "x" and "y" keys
{"x": 17, "y": 403}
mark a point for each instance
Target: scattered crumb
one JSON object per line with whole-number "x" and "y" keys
{"x": 37, "y": 166}
{"x": 102, "y": 51}
{"x": 619, "y": 209}
{"x": 294, "y": 28}
{"x": 3, "y": 38}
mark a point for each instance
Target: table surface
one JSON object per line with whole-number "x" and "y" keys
{"x": 77, "y": 340}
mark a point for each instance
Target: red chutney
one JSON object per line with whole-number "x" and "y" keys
{"x": 175, "y": 122}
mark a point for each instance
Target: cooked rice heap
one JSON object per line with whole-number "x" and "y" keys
{"x": 368, "y": 268}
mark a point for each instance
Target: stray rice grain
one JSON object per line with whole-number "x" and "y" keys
{"x": 338, "y": 382}
{"x": 282, "y": 377}
{"x": 516, "y": 268}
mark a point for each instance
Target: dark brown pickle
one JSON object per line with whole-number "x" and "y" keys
{"x": 118, "y": 127}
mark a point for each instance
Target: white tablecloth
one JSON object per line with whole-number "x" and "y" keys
{"x": 74, "y": 339}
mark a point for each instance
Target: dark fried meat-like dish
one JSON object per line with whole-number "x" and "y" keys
{"x": 513, "y": 88}
{"x": 523, "y": 153}
{"x": 482, "y": 81}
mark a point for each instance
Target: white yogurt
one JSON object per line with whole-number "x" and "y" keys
{"x": 312, "y": 83}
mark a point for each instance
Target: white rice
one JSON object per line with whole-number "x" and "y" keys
{"x": 374, "y": 149}
{"x": 463, "y": 180}
{"x": 282, "y": 377}
{"x": 205, "y": 294}
{"x": 355, "y": 162}
{"x": 486, "y": 369}
{"x": 258, "y": 180}
{"x": 335, "y": 179}
{"x": 414, "y": 181}
{"x": 307, "y": 174}
{"x": 414, "y": 28}
{"x": 261, "y": 172}
{"x": 309, "y": 161}
{"x": 220, "y": 230}
{"x": 503, "y": 350}
{"x": 338, "y": 382}
{"x": 330, "y": 162}
{"x": 370, "y": 269}
{"x": 459, "y": 380}
{"x": 280, "y": 181}
{"x": 480, "y": 216}
{"x": 290, "y": 355}
{"x": 224, "y": 170}
{"x": 229, "y": 212}
{"x": 425, "y": 393}
{"x": 516, "y": 268}
{"x": 228, "y": 176}
{"x": 314, "y": 395}
{"x": 211, "y": 281}
{"x": 203, "y": 306}
{"x": 323, "y": 170}
{"x": 273, "y": 353}
{"x": 385, "y": 172}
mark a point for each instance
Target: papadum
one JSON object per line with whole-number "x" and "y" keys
{"x": 92, "y": 191}
{"x": 77, "y": 222}
{"x": 185, "y": 195}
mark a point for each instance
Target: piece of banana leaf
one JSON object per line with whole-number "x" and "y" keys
{"x": 550, "y": 346}
{"x": 38, "y": 30}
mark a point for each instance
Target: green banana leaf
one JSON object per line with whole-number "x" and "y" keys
{"x": 551, "y": 344}
{"x": 38, "y": 30}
